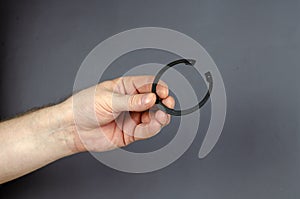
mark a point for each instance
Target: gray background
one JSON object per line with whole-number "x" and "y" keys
{"x": 256, "y": 45}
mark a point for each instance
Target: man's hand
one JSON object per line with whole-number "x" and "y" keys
{"x": 111, "y": 114}
{"x": 116, "y": 113}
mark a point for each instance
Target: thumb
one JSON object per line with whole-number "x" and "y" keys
{"x": 136, "y": 102}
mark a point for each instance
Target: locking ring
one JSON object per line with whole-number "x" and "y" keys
{"x": 161, "y": 106}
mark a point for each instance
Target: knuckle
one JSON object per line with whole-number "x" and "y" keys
{"x": 131, "y": 101}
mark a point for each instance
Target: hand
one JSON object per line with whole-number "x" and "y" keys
{"x": 116, "y": 113}
{"x": 111, "y": 114}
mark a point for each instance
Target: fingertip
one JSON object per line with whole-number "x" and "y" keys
{"x": 162, "y": 91}
{"x": 149, "y": 99}
{"x": 161, "y": 117}
{"x": 169, "y": 102}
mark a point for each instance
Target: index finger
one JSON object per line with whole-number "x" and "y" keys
{"x": 142, "y": 84}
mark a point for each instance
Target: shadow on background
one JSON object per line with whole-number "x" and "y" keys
{"x": 4, "y": 37}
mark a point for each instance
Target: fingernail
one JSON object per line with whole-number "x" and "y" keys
{"x": 146, "y": 99}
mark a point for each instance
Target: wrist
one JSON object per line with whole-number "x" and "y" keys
{"x": 68, "y": 128}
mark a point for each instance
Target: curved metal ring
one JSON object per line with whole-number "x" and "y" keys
{"x": 161, "y": 106}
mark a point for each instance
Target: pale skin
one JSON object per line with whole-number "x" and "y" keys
{"x": 111, "y": 114}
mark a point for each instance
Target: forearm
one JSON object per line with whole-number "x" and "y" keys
{"x": 38, "y": 138}
{"x": 34, "y": 140}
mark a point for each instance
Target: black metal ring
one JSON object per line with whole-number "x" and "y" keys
{"x": 161, "y": 106}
